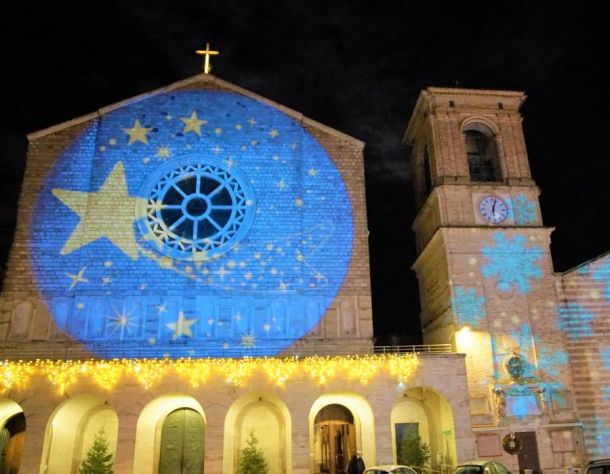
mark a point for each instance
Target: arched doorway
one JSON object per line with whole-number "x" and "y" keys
{"x": 12, "y": 435}
{"x": 71, "y": 430}
{"x": 182, "y": 443}
{"x": 334, "y": 439}
{"x": 170, "y": 436}
{"x": 267, "y": 416}
{"x": 424, "y": 412}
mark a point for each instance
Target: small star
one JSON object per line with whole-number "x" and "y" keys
{"x": 257, "y": 255}
{"x": 222, "y": 273}
{"x": 294, "y": 146}
{"x": 216, "y": 150}
{"x": 282, "y": 286}
{"x": 298, "y": 202}
{"x": 78, "y": 277}
{"x": 193, "y": 123}
{"x": 106, "y": 280}
{"x": 163, "y": 152}
{"x": 252, "y": 122}
{"x": 229, "y": 162}
{"x": 238, "y": 126}
{"x": 112, "y": 141}
{"x": 254, "y": 142}
{"x": 312, "y": 172}
{"x": 218, "y": 130}
{"x": 273, "y": 133}
{"x": 137, "y": 133}
{"x": 182, "y": 326}
{"x": 161, "y": 308}
{"x": 282, "y": 184}
{"x": 248, "y": 341}
{"x": 266, "y": 327}
{"x": 152, "y": 341}
{"x": 80, "y": 305}
{"x": 248, "y": 275}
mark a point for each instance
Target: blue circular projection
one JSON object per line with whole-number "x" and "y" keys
{"x": 191, "y": 223}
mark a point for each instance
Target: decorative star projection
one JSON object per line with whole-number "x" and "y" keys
{"x": 524, "y": 211}
{"x": 468, "y": 306}
{"x": 575, "y": 322}
{"x": 512, "y": 263}
{"x": 191, "y": 223}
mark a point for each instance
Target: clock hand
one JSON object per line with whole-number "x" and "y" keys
{"x": 493, "y": 207}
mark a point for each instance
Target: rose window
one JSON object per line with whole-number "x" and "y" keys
{"x": 197, "y": 211}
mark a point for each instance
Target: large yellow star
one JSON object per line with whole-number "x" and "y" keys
{"x": 182, "y": 326}
{"x": 137, "y": 133}
{"x": 109, "y": 213}
{"x": 193, "y": 123}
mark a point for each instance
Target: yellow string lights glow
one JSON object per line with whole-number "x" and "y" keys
{"x": 148, "y": 372}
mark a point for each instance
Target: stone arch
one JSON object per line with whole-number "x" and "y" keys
{"x": 12, "y": 435}
{"x": 363, "y": 420}
{"x": 150, "y": 426}
{"x": 433, "y": 414}
{"x": 271, "y": 419}
{"x": 71, "y": 429}
{"x": 481, "y": 141}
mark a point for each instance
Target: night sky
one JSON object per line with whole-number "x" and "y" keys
{"x": 356, "y": 66}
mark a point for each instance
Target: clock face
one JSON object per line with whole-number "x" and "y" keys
{"x": 493, "y": 209}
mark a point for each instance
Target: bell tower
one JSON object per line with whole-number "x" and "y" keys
{"x": 484, "y": 267}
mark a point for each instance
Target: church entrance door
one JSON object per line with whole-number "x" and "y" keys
{"x": 334, "y": 439}
{"x": 182, "y": 443}
{"x": 528, "y": 455}
{"x": 12, "y": 435}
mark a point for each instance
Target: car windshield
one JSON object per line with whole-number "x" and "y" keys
{"x": 472, "y": 469}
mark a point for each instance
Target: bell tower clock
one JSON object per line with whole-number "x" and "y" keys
{"x": 484, "y": 266}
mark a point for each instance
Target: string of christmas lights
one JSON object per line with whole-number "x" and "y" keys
{"x": 106, "y": 374}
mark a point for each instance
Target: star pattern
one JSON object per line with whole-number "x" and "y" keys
{"x": 182, "y": 326}
{"x": 137, "y": 133}
{"x": 109, "y": 213}
{"x": 193, "y": 123}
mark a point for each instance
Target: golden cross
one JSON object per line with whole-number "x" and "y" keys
{"x": 207, "y": 53}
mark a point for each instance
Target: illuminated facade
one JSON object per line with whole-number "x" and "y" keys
{"x": 190, "y": 265}
{"x": 536, "y": 342}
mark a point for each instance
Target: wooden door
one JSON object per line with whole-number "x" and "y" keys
{"x": 182, "y": 443}
{"x": 528, "y": 455}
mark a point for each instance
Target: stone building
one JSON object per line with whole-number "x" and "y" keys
{"x": 191, "y": 265}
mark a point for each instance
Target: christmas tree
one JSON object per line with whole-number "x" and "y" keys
{"x": 412, "y": 452}
{"x": 99, "y": 460}
{"x": 252, "y": 460}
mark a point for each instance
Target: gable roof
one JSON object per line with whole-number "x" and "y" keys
{"x": 206, "y": 79}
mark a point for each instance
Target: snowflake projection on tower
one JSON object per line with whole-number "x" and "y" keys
{"x": 512, "y": 263}
{"x": 602, "y": 273}
{"x": 524, "y": 211}
{"x": 468, "y": 306}
{"x": 191, "y": 223}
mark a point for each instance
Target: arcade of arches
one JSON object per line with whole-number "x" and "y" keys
{"x": 175, "y": 433}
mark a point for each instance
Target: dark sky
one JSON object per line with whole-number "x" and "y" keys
{"x": 356, "y": 66}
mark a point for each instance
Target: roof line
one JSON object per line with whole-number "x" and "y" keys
{"x": 297, "y": 116}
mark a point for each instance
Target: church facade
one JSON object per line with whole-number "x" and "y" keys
{"x": 190, "y": 268}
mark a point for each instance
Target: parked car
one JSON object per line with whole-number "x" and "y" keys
{"x": 481, "y": 467}
{"x": 389, "y": 469}
{"x": 600, "y": 466}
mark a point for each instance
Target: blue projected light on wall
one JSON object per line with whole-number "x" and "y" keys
{"x": 512, "y": 263}
{"x": 468, "y": 306}
{"x": 191, "y": 223}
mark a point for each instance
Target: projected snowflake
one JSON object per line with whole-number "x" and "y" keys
{"x": 574, "y": 321}
{"x": 524, "y": 210}
{"x": 512, "y": 263}
{"x": 602, "y": 273}
{"x": 551, "y": 362}
{"x": 468, "y": 306}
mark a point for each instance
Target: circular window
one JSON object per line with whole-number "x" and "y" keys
{"x": 196, "y": 211}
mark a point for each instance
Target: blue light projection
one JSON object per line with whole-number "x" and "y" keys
{"x": 524, "y": 211}
{"x": 605, "y": 356}
{"x": 512, "y": 263}
{"x": 606, "y": 392}
{"x": 191, "y": 223}
{"x": 602, "y": 273}
{"x": 552, "y": 362}
{"x": 601, "y": 434}
{"x": 574, "y": 321}
{"x": 468, "y": 307}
